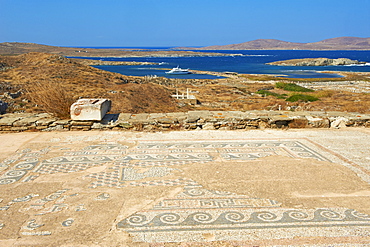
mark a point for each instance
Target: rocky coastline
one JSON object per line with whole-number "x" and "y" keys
{"x": 15, "y": 48}
{"x": 316, "y": 62}
{"x": 92, "y": 62}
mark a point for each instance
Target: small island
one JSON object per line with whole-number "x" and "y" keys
{"x": 316, "y": 62}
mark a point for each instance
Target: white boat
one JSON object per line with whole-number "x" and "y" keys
{"x": 178, "y": 71}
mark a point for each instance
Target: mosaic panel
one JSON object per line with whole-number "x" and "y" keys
{"x": 75, "y": 161}
{"x": 159, "y": 156}
{"x": 18, "y": 171}
{"x": 232, "y": 150}
{"x": 165, "y": 182}
{"x": 197, "y": 211}
{"x": 167, "y": 157}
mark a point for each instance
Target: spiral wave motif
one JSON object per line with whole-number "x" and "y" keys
{"x": 182, "y": 156}
{"x": 236, "y": 145}
{"x": 32, "y": 160}
{"x": 169, "y": 218}
{"x": 179, "y": 146}
{"x": 161, "y": 146}
{"x": 360, "y": 215}
{"x": 23, "y": 199}
{"x": 136, "y": 220}
{"x": 253, "y": 145}
{"x": 297, "y": 149}
{"x": 203, "y": 156}
{"x": 217, "y": 145}
{"x": 291, "y": 144}
{"x": 57, "y": 159}
{"x": 97, "y": 158}
{"x": 77, "y": 158}
{"x": 51, "y": 197}
{"x": 271, "y": 144}
{"x": 331, "y": 215}
{"x": 7, "y": 181}
{"x": 198, "y": 145}
{"x": 195, "y": 192}
{"x": 243, "y": 156}
{"x": 234, "y": 216}
{"x": 266, "y": 216}
{"x": 298, "y": 215}
{"x": 161, "y": 157}
{"x": 202, "y": 218}
{"x": 24, "y": 166}
{"x": 305, "y": 154}
{"x": 15, "y": 173}
{"x": 103, "y": 148}
{"x": 68, "y": 222}
{"x": 142, "y": 157}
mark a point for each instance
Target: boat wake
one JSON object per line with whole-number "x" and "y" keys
{"x": 356, "y": 65}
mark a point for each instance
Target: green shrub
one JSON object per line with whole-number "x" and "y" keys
{"x": 301, "y": 97}
{"x": 292, "y": 87}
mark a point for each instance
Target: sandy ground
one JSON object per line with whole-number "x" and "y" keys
{"x": 194, "y": 188}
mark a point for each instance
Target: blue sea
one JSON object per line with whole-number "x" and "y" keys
{"x": 251, "y": 62}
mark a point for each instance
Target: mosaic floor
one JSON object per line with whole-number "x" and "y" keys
{"x": 192, "y": 214}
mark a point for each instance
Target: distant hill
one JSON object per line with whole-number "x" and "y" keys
{"x": 341, "y": 43}
{"x": 17, "y": 48}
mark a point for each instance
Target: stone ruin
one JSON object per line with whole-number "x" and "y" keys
{"x": 90, "y": 109}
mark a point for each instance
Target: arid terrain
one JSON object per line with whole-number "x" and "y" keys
{"x": 265, "y": 187}
{"x": 24, "y": 76}
{"x": 185, "y": 188}
{"x": 16, "y": 48}
{"x": 340, "y": 43}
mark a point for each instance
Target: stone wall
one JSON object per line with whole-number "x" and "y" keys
{"x": 207, "y": 120}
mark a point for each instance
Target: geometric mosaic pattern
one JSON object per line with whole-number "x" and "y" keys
{"x": 21, "y": 164}
{"x": 243, "y": 150}
{"x": 196, "y": 212}
{"x": 90, "y": 156}
{"x": 193, "y": 214}
{"x": 158, "y": 157}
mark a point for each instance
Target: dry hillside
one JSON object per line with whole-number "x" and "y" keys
{"x": 42, "y": 74}
{"x": 80, "y": 81}
{"x": 340, "y": 43}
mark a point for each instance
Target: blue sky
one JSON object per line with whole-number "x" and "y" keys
{"x": 179, "y": 23}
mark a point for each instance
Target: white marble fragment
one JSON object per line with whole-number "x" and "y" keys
{"x": 90, "y": 109}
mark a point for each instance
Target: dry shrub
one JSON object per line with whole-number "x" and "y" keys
{"x": 51, "y": 97}
{"x": 361, "y": 107}
{"x": 142, "y": 98}
{"x": 323, "y": 94}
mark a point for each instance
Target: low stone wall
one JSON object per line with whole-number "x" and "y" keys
{"x": 207, "y": 120}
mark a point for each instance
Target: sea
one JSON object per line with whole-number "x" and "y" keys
{"x": 243, "y": 62}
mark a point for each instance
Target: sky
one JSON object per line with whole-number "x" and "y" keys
{"x": 163, "y": 23}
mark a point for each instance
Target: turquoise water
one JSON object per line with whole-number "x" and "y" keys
{"x": 252, "y": 62}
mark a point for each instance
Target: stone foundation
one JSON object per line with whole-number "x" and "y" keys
{"x": 192, "y": 120}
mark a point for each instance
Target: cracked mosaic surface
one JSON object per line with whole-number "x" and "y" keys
{"x": 156, "y": 155}
{"x": 196, "y": 211}
{"x": 189, "y": 215}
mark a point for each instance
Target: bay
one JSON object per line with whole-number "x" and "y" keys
{"x": 250, "y": 62}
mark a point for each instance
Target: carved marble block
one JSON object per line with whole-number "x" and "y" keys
{"x": 90, "y": 109}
